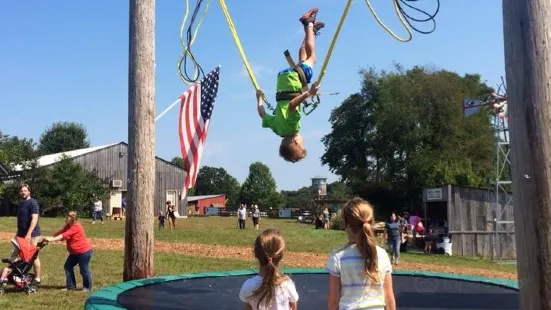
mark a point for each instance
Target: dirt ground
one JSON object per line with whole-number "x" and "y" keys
{"x": 292, "y": 259}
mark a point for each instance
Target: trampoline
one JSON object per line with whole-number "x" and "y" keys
{"x": 220, "y": 290}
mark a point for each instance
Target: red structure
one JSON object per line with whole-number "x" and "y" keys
{"x": 198, "y": 205}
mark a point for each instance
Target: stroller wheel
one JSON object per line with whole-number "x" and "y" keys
{"x": 31, "y": 290}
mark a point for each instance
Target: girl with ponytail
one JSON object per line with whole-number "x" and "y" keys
{"x": 360, "y": 271}
{"x": 270, "y": 289}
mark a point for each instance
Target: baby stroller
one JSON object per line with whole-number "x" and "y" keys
{"x": 19, "y": 275}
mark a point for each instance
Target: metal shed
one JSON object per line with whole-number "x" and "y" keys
{"x": 110, "y": 162}
{"x": 481, "y": 223}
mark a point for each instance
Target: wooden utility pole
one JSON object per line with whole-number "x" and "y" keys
{"x": 139, "y": 234}
{"x": 527, "y": 37}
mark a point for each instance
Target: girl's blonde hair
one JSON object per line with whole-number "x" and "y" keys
{"x": 268, "y": 249}
{"x": 358, "y": 216}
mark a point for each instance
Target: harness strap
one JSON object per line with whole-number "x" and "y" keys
{"x": 286, "y": 95}
{"x": 298, "y": 69}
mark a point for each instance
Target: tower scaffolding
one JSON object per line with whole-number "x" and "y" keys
{"x": 501, "y": 184}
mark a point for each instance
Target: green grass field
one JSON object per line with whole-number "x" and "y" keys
{"x": 107, "y": 264}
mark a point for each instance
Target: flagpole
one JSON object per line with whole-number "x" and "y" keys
{"x": 167, "y": 109}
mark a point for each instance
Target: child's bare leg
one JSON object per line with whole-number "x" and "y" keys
{"x": 5, "y": 272}
{"x": 307, "y": 51}
{"x": 302, "y": 55}
{"x": 309, "y": 46}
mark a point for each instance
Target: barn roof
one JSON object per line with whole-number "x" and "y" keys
{"x": 196, "y": 198}
{"x": 50, "y": 159}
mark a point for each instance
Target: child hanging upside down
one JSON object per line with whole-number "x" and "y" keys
{"x": 291, "y": 92}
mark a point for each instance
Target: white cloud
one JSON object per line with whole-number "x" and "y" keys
{"x": 258, "y": 70}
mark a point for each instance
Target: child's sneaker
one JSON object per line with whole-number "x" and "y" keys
{"x": 309, "y": 17}
{"x": 317, "y": 27}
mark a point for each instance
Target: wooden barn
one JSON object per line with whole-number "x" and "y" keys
{"x": 479, "y": 226}
{"x": 199, "y": 205}
{"x": 110, "y": 162}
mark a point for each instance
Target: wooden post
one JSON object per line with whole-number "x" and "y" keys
{"x": 139, "y": 233}
{"x": 527, "y": 38}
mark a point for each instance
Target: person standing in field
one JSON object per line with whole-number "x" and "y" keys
{"x": 161, "y": 219}
{"x": 360, "y": 273}
{"x": 256, "y": 217}
{"x": 394, "y": 238}
{"x": 326, "y": 218}
{"x": 171, "y": 215}
{"x": 27, "y": 225}
{"x": 80, "y": 252}
{"x": 242, "y": 216}
{"x": 98, "y": 211}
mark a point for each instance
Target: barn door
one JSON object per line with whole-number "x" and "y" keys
{"x": 172, "y": 196}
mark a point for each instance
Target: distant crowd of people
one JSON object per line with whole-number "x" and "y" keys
{"x": 401, "y": 231}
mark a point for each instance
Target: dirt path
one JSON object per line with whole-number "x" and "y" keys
{"x": 292, "y": 259}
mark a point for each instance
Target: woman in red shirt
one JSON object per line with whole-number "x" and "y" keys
{"x": 80, "y": 252}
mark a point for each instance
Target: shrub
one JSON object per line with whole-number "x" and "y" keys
{"x": 336, "y": 221}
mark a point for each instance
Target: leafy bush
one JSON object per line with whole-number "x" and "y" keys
{"x": 63, "y": 187}
{"x": 336, "y": 221}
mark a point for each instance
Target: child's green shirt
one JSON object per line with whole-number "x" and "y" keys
{"x": 285, "y": 123}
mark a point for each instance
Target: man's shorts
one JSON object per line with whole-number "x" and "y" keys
{"x": 34, "y": 241}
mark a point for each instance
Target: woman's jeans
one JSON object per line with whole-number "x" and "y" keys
{"x": 96, "y": 215}
{"x": 83, "y": 261}
{"x": 394, "y": 246}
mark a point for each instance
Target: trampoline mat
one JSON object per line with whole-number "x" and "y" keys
{"x": 412, "y": 292}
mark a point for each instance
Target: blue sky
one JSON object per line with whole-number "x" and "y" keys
{"x": 68, "y": 61}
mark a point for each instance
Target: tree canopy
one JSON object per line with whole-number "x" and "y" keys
{"x": 63, "y": 187}
{"x": 58, "y": 188}
{"x": 260, "y": 188}
{"x": 63, "y": 137}
{"x": 15, "y": 151}
{"x": 299, "y": 199}
{"x": 405, "y": 130}
{"x": 212, "y": 180}
{"x": 178, "y": 161}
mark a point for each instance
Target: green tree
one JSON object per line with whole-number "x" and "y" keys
{"x": 15, "y": 151}
{"x": 275, "y": 201}
{"x": 212, "y": 180}
{"x": 259, "y": 187}
{"x": 63, "y": 187}
{"x": 178, "y": 161}
{"x": 299, "y": 199}
{"x": 339, "y": 190}
{"x": 405, "y": 130}
{"x": 63, "y": 137}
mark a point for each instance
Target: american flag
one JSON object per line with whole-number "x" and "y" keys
{"x": 196, "y": 108}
